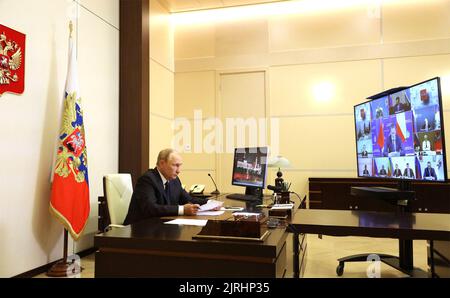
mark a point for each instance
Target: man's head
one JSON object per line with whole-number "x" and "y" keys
{"x": 407, "y": 165}
{"x": 396, "y": 166}
{"x": 365, "y": 167}
{"x": 169, "y": 163}
{"x": 429, "y": 164}
{"x": 382, "y": 167}
{"x": 425, "y": 137}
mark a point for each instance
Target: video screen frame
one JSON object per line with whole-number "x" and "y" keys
{"x": 418, "y": 137}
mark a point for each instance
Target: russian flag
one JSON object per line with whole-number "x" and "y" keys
{"x": 69, "y": 201}
{"x": 401, "y": 126}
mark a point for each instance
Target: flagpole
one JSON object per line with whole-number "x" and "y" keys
{"x": 62, "y": 267}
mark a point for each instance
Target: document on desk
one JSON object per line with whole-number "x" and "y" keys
{"x": 188, "y": 222}
{"x": 210, "y": 213}
{"x": 210, "y": 205}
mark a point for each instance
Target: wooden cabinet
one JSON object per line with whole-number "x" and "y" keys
{"x": 334, "y": 193}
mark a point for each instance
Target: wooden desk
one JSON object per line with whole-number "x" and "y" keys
{"x": 403, "y": 226}
{"x": 153, "y": 249}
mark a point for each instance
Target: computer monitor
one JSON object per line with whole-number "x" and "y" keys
{"x": 400, "y": 134}
{"x": 249, "y": 169}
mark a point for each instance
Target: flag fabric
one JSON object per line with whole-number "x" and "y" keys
{"x": 380, "y": 137}
{"x": 375, "y": 168}
{"x": 400, "y": 126}
{"x": 69, "y": 201}
{"x": 418, "y": 170}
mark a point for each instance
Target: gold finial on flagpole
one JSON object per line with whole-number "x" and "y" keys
{"x": 70, "y": 28}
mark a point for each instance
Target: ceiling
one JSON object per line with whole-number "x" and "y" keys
{"x": 189, "y": 5}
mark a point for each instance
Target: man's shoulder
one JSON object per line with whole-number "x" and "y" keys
{"x": 151, "y": 174}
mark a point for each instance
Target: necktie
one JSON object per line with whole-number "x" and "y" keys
{"x": 167, "y": 190}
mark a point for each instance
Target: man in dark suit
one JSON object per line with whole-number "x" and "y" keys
{"x": 429, "y": 172}
{"x": 382, "y": 171}
{"x": 366, "y": 171}
{"x": 393, "y": 143}
{"x": 364, "y": 152}
{"x": 398, "y": 107}
{"x": 159, "y": 192}
{"x": 397, "y": 172}
{"x": 408, "y": 173}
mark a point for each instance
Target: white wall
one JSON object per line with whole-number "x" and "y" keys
{"x": 30, "y": 237}
{"x": 353, "y": 48}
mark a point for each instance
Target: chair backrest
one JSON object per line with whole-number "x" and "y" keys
{"x": 118, "y": 189}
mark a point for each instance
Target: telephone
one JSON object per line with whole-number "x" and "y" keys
{"x": 197, "y": 188}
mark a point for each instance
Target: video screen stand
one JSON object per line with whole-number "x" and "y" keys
{"x": 400, "y": 196}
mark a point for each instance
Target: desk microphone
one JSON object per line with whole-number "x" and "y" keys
{"x": 216, "y": 192}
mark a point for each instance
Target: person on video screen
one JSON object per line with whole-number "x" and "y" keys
{"x": 397, "y": 172}
{"x": 382, "y": 172}
{"x": 364, "y": 152}
{"x": 398, "y": 107}
{"x": 408, "y": 172}
{"x": 366, "y": 171}
{"x": 393, "y": 143}
{"x": 429, "y": 173}
{"x": 426, "y": 145}
{"x": 426, "y": 125}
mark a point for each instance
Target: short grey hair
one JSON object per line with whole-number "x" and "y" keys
{"x": 164, "y": 155}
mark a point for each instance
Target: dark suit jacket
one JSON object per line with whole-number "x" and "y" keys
{"x": 390, "y": 145}
{"x": 408, "y": 173}
{"x": 430, "y": 173}
{"x": 382, "y": 172}
{"x": 397, "y": 173}
{"x": 150, "y": 200}
{"x": 399, "y": 107}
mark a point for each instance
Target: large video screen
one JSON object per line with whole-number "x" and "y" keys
{"x": 400, "y": 135}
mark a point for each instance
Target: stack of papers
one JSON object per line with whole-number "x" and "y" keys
{"x": 212, "y": 204}
{"x": 207, "y": 209}
{"x": 187, "y": 222}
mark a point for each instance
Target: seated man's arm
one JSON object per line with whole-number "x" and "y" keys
{"x": 186, "y": 198}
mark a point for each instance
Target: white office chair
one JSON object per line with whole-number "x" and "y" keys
{"x": 118, "y": 189}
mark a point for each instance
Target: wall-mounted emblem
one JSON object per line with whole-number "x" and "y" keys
{"x": 12, "y": 60}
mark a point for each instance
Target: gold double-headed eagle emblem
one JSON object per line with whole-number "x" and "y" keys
{"x": 10, "y": 60}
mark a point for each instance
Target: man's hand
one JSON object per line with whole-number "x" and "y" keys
{"x": 191, "y": 209}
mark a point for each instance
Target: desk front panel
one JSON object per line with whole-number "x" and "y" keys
{"x": 151, "y": 248}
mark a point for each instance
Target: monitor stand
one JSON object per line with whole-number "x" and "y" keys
{"x": 400, "y": 197}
